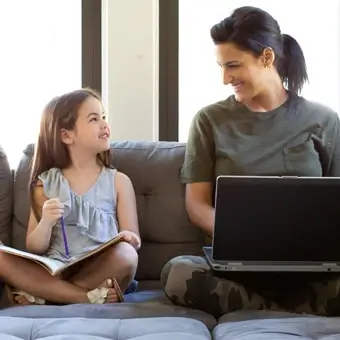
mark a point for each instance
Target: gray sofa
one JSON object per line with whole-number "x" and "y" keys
{"x": 166, "y": 232}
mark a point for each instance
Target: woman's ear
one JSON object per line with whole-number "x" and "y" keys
{"x": 66, "y": 136}
{"x": 268, "y": 57}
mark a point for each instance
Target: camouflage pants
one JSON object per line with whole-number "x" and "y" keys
{"x": 188, "y": 281}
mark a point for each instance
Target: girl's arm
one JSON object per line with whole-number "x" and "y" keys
{"x": 38, "y": 234}
{"x": 126, "y": 204}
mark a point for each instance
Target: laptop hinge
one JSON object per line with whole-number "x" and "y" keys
{"x": 333, "y": 264}
{"x": 235, "y": 263}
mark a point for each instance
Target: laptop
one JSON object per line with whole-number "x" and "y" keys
{"x": 276, "y": 224}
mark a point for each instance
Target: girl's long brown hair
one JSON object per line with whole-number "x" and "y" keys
{"x": 50, "y": 152}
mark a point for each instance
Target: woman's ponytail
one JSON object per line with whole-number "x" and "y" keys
{"x": 292, "y": 66}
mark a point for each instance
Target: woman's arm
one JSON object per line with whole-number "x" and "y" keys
{"x": 198, "y": 201}
{"x": 198, "y": 172}
{"x": 332, "y": 145}
{"x": 126, "y": 204}
{"x": 38, "y": 234}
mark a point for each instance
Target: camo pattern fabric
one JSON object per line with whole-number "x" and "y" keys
{"x": 189, "y": 281}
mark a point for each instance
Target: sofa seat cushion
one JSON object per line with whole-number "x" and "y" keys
{"x": 265, "y": 325}
{"x": 100, "y": 329}
{"x": 146, "y": 304}
{"x": 148, "y": 301}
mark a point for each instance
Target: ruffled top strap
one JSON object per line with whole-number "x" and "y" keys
{"x": 56, "y": 186}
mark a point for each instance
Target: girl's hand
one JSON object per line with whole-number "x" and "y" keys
{"x": 131, "y": 238}
{"x": 52, "y": 210}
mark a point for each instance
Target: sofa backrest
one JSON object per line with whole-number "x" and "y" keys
{"x": 153, "y": 168}
{"x": 6, "y": 206}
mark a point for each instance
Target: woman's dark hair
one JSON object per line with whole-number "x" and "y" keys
{"x": 252, "y": 29}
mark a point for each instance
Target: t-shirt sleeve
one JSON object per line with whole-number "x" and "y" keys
{"x": 332, "y": 145}
{"x": 199, "y": 162}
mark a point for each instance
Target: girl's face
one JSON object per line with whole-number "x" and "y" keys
{"x": 91, "y": 132}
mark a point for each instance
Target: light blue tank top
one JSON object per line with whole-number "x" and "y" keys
{"x": 90, "y": 220}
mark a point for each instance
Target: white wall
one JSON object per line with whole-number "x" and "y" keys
{"x": 130, "y": 68}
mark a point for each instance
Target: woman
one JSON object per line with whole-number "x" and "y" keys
{"x": 265, "y": 128}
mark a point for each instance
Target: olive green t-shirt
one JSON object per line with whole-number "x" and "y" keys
{"x": 299, "y": 138}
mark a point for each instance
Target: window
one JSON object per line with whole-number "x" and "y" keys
{"x": 315, "y": 27}
{"x": 41, "y": 58}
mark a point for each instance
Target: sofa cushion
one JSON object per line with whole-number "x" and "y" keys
{"x": 153, "y": 168}
{"x": 146, "y": 304}
{"x": 263, "y": 325}
{"x": 6, "y": 199}
{"x": 21, "y": 206}
{"x": 103, "y": 329}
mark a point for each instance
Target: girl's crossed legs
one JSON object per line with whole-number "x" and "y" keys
{"x": 117, "y": 262}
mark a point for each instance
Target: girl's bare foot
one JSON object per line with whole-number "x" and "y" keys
{"x": 112, "y": 295}
{"x": 21, "y": 300}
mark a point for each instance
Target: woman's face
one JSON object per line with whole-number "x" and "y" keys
{"x": 242, "y": 70}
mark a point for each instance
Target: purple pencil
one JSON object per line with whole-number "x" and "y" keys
{"x": 62, "y": 222}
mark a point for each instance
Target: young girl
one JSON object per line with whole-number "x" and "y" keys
{"x": 71, "y": 178}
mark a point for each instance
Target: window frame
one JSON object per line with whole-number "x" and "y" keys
{"x": 91, "y": 35}
{"x": 168, "y": 70}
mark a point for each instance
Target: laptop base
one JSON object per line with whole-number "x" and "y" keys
{"x": 226, "y": 266}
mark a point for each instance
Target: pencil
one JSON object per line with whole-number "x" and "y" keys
{"x": 64, "y": 236}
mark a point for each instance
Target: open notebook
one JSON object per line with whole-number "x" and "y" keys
{"x": 55, "y": 267}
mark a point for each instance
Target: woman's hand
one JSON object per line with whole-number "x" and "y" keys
{"x": 131, "y": 238}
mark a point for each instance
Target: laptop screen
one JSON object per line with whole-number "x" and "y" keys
{"x": 277, "y": 219}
